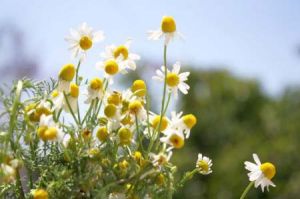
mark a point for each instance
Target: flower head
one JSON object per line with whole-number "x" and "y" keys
{"x": 183, "y": 123}
{"x": 66, "y": 75}
{"x": 174, "y": 138}
{"x": 168, "y": 30}
{"x": 261, "y": 174}
{"x": 39, "y": 194}
{"x": 48, "y": 130}
{"x": 204, "y": 164}
{"x": 95, "y": 90}
{"x": 174, "y": 79}
{"x": 122, "y": 52}
{"x": 82, "y": 39}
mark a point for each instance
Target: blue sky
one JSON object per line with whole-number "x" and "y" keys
{"x": 251, "y": 38}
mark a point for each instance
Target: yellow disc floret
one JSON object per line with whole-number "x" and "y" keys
{"x": 139, "y": 88}
{"x": 41, "y": 132}
{"x": 85, "y": 42}
{"x": 177, "y": 141}
{"x": 54, "y": 93}
{"x": 121, "y": 50}
{"x": 125, "y": 136}
{"x": 123, "y": 165}
{"x": 86, "y": 134}
{"x": 111, "y": 67}
{"x": 163, "y": 125}
{"x": 135, "y": 106}
{"x": 51, "y": 133}
{"x": 40, "y": 194}
{"x": 168, "y": 24}
{"x": 172, "y": 79}
{"x": 203, "y": 165}
{"x": 96, "y": 84}
{"x": 115, "y": 98}
{"x": 67, "y": 72}
{"x": 110, "y": 110}
{"x": 268, "y": 170}
{"x": 74, "y": 90}
{"x": 189, "y": 120}
{"x": 102, "y": 134}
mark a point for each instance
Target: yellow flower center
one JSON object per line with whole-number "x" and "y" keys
{"x": 50, "y": 133}
{"x": 126, "y": 120}
{"x": 139, "y": 88}
{"x": 189, "y": 120}
{"x": 135, "y": 106}
{"x": 67, "y": 72}
{"x": 54, "y": 94}
{"x": 162, "y": 159}
{"x": 110, "y": 110}
{"x": 176, "y": 141}
{"x": 40, "y": 194}
{"x": 137, "y": 155}
{"x": 203, "y": 165}
{"x": 123, "y": 165}
{"x": 168, "y": 24}
{"x": 74, "y": 90}
{"x": 121, "y": 50}
{"x": 96, "y": 84}
{"x": 111, "y": 67}
{"x": 172, "y": 79}
{"x": 86, "y": 134}
{"x": 163, "y": 125}
{"x": 41, "y": 132}
{"x": 125, "y": 136}
{"x": 85, "y": 43}
{"x": 102, "y": 134}
{"x": 268, "y": 170}
{"x": 115, "y": 98}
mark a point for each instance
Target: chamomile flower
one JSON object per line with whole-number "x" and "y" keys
{"x": 156, "y": 119}
{"x": 139, "y": 88}
{"x": 72, "y": 98}
{"x": 261, "y": 174}
{"x": 168, "y": 30}
{"x": 95, "y": 90}
{"x": 174, "y": 79}
{"x": 58, "y": 100}
{"x": 160, "y": 159}
{"x": 204, "y": 164}
{"x": 82, "y": 39}
{"x": 111, "y": 68}
{"x": 174, "y": 138}
{"x": 48, "y": 130}
{"x": 8, "y": 172}
{"x": 183, "y": 123}
{"x": 65, "y": 77}
{"x": 127, "y": 59}
{"x": 137, "y": 109}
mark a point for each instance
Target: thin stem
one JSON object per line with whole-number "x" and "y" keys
{"x": 139, "y": 133}
{"x": 247, "y": 190}
{"x": 71, "y": 110}
{"x": 88, "y": 112}
{"x": 77, "y": 71}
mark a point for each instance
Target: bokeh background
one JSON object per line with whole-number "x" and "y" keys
{"x": 244, "y": 58}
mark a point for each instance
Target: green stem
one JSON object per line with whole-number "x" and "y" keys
{"x": 247, "y": 190}
{"x": 71, "y": 110}
{"x": 77, "y": 71}
{"x": 139, "y": 133}
{"x": 88, "y": 112}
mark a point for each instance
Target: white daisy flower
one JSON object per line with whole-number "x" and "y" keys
{"x": 111, "y": 68}
{"x": 183, "y": 123}
{"x": 48, "y": 130}
{"x": 127, "y": 59}
{"x": 9, "y": 173}
{"x": 155, "y": 119}
{"x": 261, "y": 174}
{"x": 82, "y": 39}
{"x": 57, "y": 99}
{"x": 168, "y": 30}
{"x": 72, "y": 98}
{"x": 175, "y": 80}
{"x": 137, "y": 109}
{"x": 174, "y": 138}
{"x": 65, "y": 77}
{"x": 160, "y": 159}
{"x": 95, "y": 90}
{"x": 204, "y": 164}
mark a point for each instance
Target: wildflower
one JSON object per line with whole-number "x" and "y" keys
{"x": 127, "y": 59}
{"x": 86, "y": 134}
{"x": 114, "y": 98}
{"x": 160, "y": 159}
{"x": 95, "y": 90}
{"x": 112, "y": 112}
{"x": 156, "y": 119}
{"x": 174, "y": 138}
{"x": 82, "y": 39}
{"x": 8, "y": 172}
{"x": 261, "y": 174}
{"x": 174, "y": 80}
{"x": 183, "y": 123}
{"x": 139, "y": 88}
{"x": 58, "y": 100}
{"x": 48, "y": 130}
{"x": 39, "y": 194}
{"x": 168, "y": 30}
{"x": 136, "y": 108}
{"x": 102, "y": 134}
{"x": 66, "y": 75}
{"x": 72, "y": 98}
{"x": 111, "y": 67}
{"x": 125, "y": 136}
{"x": 204, "y": 164}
